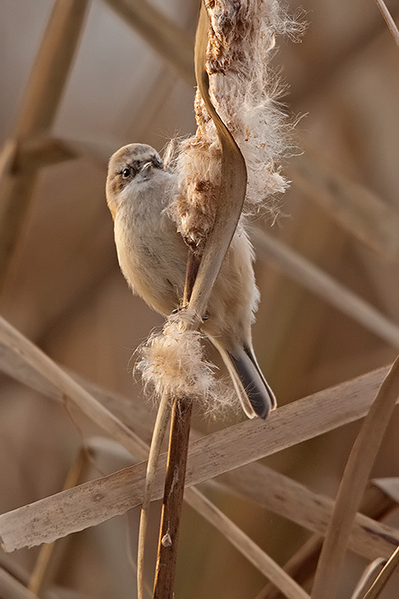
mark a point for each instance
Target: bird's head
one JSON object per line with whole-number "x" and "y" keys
{"x": 131, "y": 169}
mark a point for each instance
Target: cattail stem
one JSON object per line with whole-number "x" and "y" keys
{"x": 173, "y": 498}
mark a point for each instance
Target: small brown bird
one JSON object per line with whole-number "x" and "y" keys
{"x": 152, "y": 256}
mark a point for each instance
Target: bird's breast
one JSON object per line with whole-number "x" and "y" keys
{"x": 152, "y": 257}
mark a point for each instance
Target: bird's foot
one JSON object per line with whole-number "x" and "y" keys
{"x": 183, "y": 308}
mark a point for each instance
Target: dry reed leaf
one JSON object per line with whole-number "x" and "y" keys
{"x": 31, "y": 354}
{"x": 261, "y": 486}
{"x": 245, "y": 545}
{"x": 313, "y": 278}
{"x": 300, "y": 504}
{"x": 354, "y": 480}
{"x": 11, "y": 588}
{"x": 92, "y": 503}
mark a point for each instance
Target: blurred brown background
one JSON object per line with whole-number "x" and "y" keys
{"x": 64, "y": 289}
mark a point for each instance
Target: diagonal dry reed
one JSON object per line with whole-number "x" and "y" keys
{"x": 31, "y": 354}
{"x": 209, "y": 457}
{"x": 313, "y": 278}
{"x": 363, "y": 214}
{"x": 353, "y": 483}
{"x": 264, "y": 486}
{"x": 310, "y": 509}
{"x": 172, "y": 42}
{"x": 245, "y": 545}
{"x": 389, "y": 20}
{"x": 135, "y": 415}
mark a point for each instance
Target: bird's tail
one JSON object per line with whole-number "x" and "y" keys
{"x": 256, "y": 396}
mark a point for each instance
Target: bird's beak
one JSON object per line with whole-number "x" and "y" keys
{"x": 146, "y": 167}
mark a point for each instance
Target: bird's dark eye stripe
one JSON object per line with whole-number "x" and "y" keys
{"x": 130, "y": 169}
{"x": 156, "y": 162}
{"x": 134, "y": 168}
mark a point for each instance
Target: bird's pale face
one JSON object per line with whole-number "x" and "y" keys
{"x": 132, "y": 166}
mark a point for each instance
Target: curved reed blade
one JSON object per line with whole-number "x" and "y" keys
{"x": 383, "y": 577}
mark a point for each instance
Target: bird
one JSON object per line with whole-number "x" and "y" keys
{"x": 152, "y": 255}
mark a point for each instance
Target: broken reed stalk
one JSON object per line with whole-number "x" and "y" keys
{"x": 354, "y": 480}
{"x": 38, "y": 110}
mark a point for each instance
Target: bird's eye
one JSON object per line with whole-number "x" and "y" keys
{"x": 126, "y": 172}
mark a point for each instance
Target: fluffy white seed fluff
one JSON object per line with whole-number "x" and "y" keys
{"x": 172, "y": 362}
{"x": 243, "y": 89}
